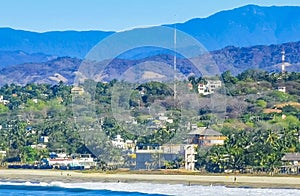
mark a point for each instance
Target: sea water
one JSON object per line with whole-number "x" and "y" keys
{"x": 120, "y": 189}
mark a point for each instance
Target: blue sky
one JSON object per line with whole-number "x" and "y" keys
{"x": 115, "y": 15}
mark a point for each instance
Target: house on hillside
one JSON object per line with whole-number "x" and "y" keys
{"x": 282, "y": 89}
{"x": 209, "y": 87}
{"x": 204, "y": 136}
{"x": 120, "y": 143}
{"x": 38, "y": 146}
{"x": 44, "y": 139}
{"x": 76, "y": 90}
{"x": 2, "y": 100}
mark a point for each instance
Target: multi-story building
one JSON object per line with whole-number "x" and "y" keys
{"x": 204, "y": 136}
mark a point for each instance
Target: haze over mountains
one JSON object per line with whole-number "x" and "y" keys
{"x": 245, "y": 26}
{"x": 242, "y": 38}
{"x": 231, "y": 58}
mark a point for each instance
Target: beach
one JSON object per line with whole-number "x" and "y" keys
{"x": 79, "y": 177}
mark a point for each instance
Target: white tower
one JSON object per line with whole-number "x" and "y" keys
{"x": 174, "y": 64}
{"x": 283, "y": 61}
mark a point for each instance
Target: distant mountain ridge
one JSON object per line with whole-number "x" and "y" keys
{"x": 8, "y": 58}
{"x": 235, "y": 59}
{"x": 58, "y": 43}
{"x": 268, "y": 58}
{"x": 245, "y": 26}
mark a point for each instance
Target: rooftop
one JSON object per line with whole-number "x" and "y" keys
{"x": 291, "y": 157}
{"x": 205, "y": 131}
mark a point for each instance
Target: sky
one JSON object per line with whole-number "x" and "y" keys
{"x": 112, "y": 15}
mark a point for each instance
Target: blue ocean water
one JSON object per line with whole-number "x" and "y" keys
{"x": 38, "y": 189}
{"x": 135, "y": 189}
{"x": 56, "y": 191}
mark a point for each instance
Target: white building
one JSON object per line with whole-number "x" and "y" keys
{"x": 118, "y": 142}
{"x": 210, "y": 87}
{"x": 281, "y": 89}
{"x": 5, "y": 102}
{"x": 44, "y": 139}
{"x": 38, "y": 146}
{"x": 189, "y": 156}
{"x": 85, "y": 160}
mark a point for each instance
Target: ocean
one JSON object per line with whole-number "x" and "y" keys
{"x": 135, "y": 189}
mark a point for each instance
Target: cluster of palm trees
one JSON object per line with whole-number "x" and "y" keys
{"x": 257, "y": 149}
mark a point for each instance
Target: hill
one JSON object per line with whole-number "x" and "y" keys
{"x": 44, "y": 72}
{"x": 235, "y": 59}
{"x": 8, "y": 58}
{"x": 239, "y": 59}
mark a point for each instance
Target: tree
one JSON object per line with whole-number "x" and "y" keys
{"x": 29, "y": 155}
{"x": 228, "y": 78}
{"x": 3, "y": 109}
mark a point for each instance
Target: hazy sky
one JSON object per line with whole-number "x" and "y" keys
{"x": 116, "y": 15}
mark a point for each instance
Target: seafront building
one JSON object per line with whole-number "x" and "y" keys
{"x": 291, "y": 163}
{"x": 155, "y": 157}
{"x": 190, "y": 156}
{"x": 75, "y": 161}
{"x": 203, "y": 136}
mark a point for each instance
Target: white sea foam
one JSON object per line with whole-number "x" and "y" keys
{"x": 168, "y": 189}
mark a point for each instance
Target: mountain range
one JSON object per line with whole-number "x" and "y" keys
{"x": 238, "y": 39}
{"x": 245, "y": 26}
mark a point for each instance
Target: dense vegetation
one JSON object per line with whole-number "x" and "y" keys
{"x": 257, "y": 139}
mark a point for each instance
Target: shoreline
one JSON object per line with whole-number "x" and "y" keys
{"x": 65, "y": 176}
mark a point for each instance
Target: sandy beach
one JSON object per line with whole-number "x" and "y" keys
{"x": 74, "y": 176}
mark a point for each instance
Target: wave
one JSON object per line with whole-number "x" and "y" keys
{"x": 42, "y": 188}
{"x": 106, "y": 188}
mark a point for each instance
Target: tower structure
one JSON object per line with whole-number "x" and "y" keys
{"x": 174, "y": 65}
{"x": 283, "y": 61}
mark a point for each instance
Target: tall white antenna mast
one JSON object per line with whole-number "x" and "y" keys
{"x": 283, "y": 61}
{"x": 174, "y": 64}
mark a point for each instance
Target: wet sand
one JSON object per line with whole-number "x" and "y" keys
{"x": 78, "y": 177}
